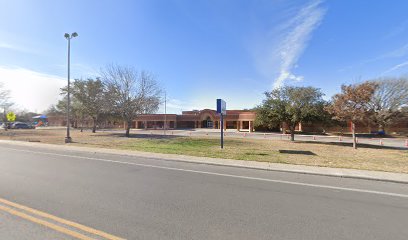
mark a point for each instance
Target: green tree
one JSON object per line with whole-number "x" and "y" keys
{"x": 53, "y": 110}
{"x": 290, "y": 105}
{"x": 91, "y": 97}
{"x": 77, "y": 112}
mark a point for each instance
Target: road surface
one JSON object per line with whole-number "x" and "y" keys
{"x": 60, "y": 194}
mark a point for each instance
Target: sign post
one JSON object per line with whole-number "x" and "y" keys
{"x": 222, "y": 131}
{"x": 222, "y": 110}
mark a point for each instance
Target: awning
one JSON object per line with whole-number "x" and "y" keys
{"x": 40, "y": 117}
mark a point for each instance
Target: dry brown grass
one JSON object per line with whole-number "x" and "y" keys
{"x": 316, "y": 154}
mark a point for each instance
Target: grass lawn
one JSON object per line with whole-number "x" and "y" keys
{"x": 305, "y": 153}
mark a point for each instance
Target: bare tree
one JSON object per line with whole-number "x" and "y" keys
{"x": 352, "y": 104}
{"x": 5, "y": 102}
{"x": 130, "y": 92}
{"x": 390, "y": 96}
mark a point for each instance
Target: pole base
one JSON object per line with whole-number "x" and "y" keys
{"x": 68, "y": 140}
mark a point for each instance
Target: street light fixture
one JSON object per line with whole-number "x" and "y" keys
{"x": 68, "y": 138}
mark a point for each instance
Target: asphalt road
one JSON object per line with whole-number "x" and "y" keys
{"x": 141, "y": 198}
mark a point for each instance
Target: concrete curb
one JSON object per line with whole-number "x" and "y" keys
{"x": 278, "y": 167}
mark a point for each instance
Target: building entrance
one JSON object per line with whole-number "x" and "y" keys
{"x": 208, "y": 123}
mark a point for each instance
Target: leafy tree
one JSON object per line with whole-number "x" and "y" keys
{"x": 53, "y": 110}
{"x": 388, "y": 100}
{"x": 290, "y": 105}
{"x": 352, "y": 104}
{"x": 90, "y": 95}
{"x": 130, "y": 92}
{"x": 327, "y": 120}
{"x": 77, "y": 111}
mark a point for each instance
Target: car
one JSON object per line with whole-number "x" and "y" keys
{"x": 20, "y": 125}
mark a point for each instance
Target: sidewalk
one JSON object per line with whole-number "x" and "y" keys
{"x": 313, "y": 170}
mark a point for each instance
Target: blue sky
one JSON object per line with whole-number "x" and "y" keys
{"x": 202, "y": 50}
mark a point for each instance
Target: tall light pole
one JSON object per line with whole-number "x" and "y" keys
{"x": 68, "y": 138}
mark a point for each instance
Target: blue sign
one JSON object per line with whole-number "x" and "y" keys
{"x": 221, "y": 107}
{"x": 222, "y": 110}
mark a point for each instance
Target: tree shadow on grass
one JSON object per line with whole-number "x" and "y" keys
{"x": 301, "y": 152}
{"x": 370, "y": 135}
{"x": 359, "y": 145}
{"x": 143, "y": 136}
{"x": 256, "y": 154}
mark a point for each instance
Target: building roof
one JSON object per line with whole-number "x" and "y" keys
{"x": 199, "y": 115}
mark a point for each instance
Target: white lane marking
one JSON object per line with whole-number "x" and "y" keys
{"x": 219, "y": 174}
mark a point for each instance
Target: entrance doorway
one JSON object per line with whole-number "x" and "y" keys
{"x": 245, "y": 124}
{"x": 207, "y": 123}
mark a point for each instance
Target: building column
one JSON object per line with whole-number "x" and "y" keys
{"x": 145, "y": 124}
{"x": 137, "y": 124}
{"x": 238, "y": 123}
{"x": 225, "y": 125}
{"x": 250, "y": 126}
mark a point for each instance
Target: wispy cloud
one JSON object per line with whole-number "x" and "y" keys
{"x": 397, "y": 30}
{"x": 298, "y": 35}
{"x": 294, "y": 34}
{"x": 399, "y": 52}
{"x": 9, "y": 46}
{"x": 396, "y": 67}
{"x": 16, "y": 47}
